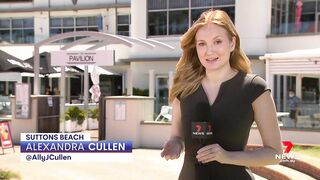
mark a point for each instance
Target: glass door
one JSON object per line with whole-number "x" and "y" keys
{"x": 3, "y": 88}
{"x": 318, "y": 22}
{"x": 162, "y": 92}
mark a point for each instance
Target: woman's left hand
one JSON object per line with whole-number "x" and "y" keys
{"x": 212, "y": 152}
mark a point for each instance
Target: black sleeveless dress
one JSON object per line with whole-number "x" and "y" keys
{"x": 232, "y": 116}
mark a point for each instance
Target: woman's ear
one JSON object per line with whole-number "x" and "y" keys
{"x": 233, "y": 44}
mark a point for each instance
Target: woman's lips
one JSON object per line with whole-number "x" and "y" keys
{"x": 212, "y": 60}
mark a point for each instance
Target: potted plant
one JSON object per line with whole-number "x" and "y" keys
{"x": 93, "y": 117}
{"x": 74, "y": 119}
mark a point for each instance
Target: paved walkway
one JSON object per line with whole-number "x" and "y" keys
{"x": 147, "y": 164}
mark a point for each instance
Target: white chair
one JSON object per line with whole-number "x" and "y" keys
{"x": 165, "y": 113}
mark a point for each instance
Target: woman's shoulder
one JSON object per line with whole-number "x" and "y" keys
{"x": 254, "y": 80}
{"x": 255, "y": 85}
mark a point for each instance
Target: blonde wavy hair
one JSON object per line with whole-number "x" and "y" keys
{"x": 189, "y": 71}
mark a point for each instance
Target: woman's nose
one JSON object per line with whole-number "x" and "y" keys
{"x": 210, "y": 49}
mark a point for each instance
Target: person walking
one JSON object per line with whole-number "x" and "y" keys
{"x": 294, "y": 103}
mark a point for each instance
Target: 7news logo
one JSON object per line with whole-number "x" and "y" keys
{"x": 286, "y": 157}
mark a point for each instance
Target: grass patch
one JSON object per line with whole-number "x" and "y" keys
{"x": 6, "y": 175}
{"x": 312, "y": 151}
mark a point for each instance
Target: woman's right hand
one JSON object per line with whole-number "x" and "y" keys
{"x": 172, "y": 149}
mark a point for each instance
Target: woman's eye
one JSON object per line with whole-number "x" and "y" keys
{"x": 217, "y": 42}
{"x": 201, "y": 44}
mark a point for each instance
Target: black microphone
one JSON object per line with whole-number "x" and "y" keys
{"x": 201, "y": 127}
{"x": 202, "y": 130}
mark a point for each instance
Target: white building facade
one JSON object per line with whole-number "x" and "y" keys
{"x": 265, "y": 26}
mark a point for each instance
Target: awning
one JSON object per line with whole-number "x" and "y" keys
{"x": 305, "y": 62}
{"x": 27, "y": 74}
{"x": 58, "y": 75}
{"x": 298, "y": 63}
{"x": 9, "y": 63}
{"x": 100, "y": 70}
{"x": 296, "y": 54}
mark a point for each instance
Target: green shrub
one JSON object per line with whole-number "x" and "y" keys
{"x": 67, "y": 117}
{"x": 8, "y": 175}
{"x": 74, "y": 113}
{"x": 308, "y": 150}
{"x": 140, "y": 92}
{"x": 81, "y": 117}
{"x": 94, "y": 113}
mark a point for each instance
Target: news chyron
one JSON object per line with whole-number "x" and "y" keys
{"x": 71, "y": 147}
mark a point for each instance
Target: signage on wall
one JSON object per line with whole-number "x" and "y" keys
{"x": 120, "y": 111}
{"x": 23, "y": 106}
{"x": 50, "y": 102}
{"x": 74, "y": 58}
{"x": 5, "y": 136}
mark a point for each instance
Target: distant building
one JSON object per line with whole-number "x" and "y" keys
{"x": 265, "y": 26}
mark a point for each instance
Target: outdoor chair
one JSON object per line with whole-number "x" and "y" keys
{"x": 165, "y": 113}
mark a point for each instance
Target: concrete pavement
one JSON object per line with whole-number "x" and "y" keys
{"x": 147, "y": 164}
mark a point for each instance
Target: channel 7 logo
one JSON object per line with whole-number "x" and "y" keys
{"x": 288, "y": 145}
{"x": 286, "y": 157}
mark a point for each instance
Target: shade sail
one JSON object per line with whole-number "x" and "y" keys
{"x": 9, "y": 63}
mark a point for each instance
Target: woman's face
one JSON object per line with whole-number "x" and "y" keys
{"x": 214, "y": 47}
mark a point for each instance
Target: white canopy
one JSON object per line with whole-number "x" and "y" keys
{"x": 298, "y": 63}
{"x": 296, "y": 54}
{"x": 26, "y": 74}
{"x": 58, "y": 75}
{"x": 100, "y": 70}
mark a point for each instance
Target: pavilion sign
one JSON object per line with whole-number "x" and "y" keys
{"x": 74, "y": 58}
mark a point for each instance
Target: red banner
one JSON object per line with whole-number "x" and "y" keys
{"x": 5, "y": 135}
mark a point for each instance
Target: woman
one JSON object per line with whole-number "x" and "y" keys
{"x": 213, "y": 69}
{"x": 48, "y": 91}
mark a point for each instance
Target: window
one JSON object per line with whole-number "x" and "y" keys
{"x": 162, "y": 92}
{"x": 292, "y": 16}
{"x": 157, "y": 22}
{"x": 166, "y": 17}
{"x": 178, "y": 22}
{"x": 222, "y": 2}
{"x": 195, "y": 13}
{"x": 157, "y": 4}
{"x": 59, "y": 25}
{"x": 201, "y": 3}
{"x": 123, "y": 25}
{"x": 319, "y": 23}
{"x": 230, "y": 11}
{"x": 2, "y": 88}
{"x": 12, "y": 87}
{"x": 179, "y": 4}
{"x": 17, "y": 30}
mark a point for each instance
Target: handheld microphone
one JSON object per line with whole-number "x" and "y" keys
{"x": 202, "y": 129}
